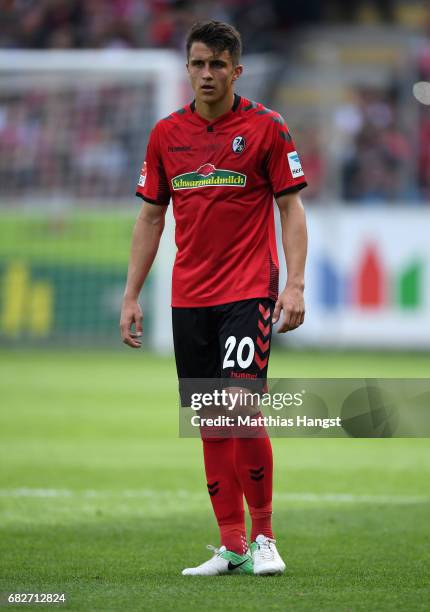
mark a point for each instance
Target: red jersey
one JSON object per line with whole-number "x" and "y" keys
{"x": 222, "y": 176}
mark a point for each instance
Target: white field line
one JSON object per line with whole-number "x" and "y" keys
{"x": 155, "y": 495}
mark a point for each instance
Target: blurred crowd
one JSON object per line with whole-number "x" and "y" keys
{"x": 423, "y": 174}
{"x": 68, "y": 24}
{"x": 377, "y": 162}
{"x": 86, "y": 142}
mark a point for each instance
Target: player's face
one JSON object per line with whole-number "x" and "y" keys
{"x": 212, "y": 75}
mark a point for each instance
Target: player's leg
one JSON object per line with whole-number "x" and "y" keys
{"x": 245, "y": 337}
{"x": 197, "y": 357}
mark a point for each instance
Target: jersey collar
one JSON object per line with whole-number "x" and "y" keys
{"x": 236, "y": 104}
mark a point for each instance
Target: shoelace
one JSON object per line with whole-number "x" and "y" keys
{"x": 213, "y": 549}
{"x": 265, "y": 550}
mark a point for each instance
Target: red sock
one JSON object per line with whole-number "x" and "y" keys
{"x": 254, "y": 465}
{"x": 225, "y": 492}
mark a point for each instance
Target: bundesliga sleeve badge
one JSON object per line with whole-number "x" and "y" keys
{"x": 295, "y": 165}
{"x": 142, "y": 178}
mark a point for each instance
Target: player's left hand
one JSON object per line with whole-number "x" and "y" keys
{"x": 292, "y": 303}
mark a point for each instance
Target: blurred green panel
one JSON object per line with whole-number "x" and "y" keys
{"x": 410, "y": 285}
{"x": 78, "y": 236}
{"x": 62, "y": 280}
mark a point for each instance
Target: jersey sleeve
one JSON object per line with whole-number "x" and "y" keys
{"x": 283, "y": 164}
{"x": 152, "y": 185}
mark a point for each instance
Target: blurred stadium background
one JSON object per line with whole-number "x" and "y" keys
{"x": 81, "y": 84}
{"x": 92, "y": 476}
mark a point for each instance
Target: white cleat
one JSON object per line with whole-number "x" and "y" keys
{"x": 266, "y": 559}
{"x": 223, "y": 562}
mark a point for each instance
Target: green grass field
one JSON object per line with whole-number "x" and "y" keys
{"x": 101, "y": 500}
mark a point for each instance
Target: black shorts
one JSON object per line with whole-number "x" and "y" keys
{"x": 229, "y": 341}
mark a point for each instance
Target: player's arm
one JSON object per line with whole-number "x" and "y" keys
{"x": 295, "y": 244}
{"x": 144, "y": 246}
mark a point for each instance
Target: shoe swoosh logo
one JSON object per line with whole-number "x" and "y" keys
{"x": 233, "y": 566}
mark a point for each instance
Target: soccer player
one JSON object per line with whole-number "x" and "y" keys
{"x": 222, "y": 159}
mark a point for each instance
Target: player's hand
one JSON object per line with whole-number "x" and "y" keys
{"x": 292, "y": 303}
{"x": 131, "y": 313}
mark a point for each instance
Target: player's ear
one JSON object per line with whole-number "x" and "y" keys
{"x": 237, "y": 71}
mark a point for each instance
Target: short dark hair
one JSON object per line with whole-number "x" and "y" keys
{"x": 218, "y": 36}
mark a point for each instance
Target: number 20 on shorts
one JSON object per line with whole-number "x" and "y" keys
{"x": 243, "y": 355}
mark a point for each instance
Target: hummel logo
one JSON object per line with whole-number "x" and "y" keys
{"x": 233, "y": 566}
{"x": 178, "y": 149}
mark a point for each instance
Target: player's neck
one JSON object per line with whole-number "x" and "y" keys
{"x": 213, "y": 111}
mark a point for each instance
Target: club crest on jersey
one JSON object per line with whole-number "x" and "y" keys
{"x": 142, "y": 179}
{"x": 238, "y": 144}
{"x": 208, "y": 176}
